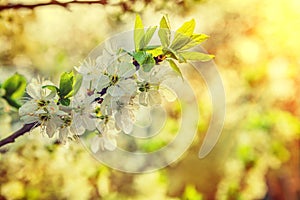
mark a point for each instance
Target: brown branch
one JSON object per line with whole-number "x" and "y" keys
{"x": 52, "y": 2}
{"x": 26, "y": 128}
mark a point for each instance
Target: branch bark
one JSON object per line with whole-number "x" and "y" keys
{"x": 52, "y": 2}
{"x": 26, "y": 128}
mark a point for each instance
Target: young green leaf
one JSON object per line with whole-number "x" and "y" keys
{"x": 174, "y": 67}
{"x": 170, "y": 53}
{"x": 164, "y": 32}
{"x": 186, "y": 29}
{"x": 147, "y": 37}
{"x": 14, "y": 88}
{"x": 138, "y": 32}
{"x": 195, "y": 40}
{"x": 183, "y": 35}
{"x": 197, "y": 56}
{"x": 65, "y": 102}
{"x": 66, "y": 84}
{"x": 77, "y": 80}
{"x": 140, "y": 56}
{"x": 149, "y": 63}
{"x": 53, "y": 88}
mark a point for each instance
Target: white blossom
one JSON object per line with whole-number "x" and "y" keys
{"x": 123, "y": 109}
{"x": 150, "y": 84}
{"x": 106, "y": 141}
{"x": 41, "y": 107}
{"x": 120, "y": 82}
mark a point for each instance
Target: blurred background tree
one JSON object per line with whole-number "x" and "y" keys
{"x": 257, "y": 52}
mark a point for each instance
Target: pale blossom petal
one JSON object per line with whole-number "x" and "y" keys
{"x": 63, "y": 135}
{"x": 115, "y": 91}
{"x": 103, "y": 81}
{"x": 77, "y": 129}
{"x": 95, "y": 144}
{"x": 126, "y": 70}
{"x": 34, "y": 89}
{"x": 51, "y": 128}
{"x": 154, "y": 97}
{"x": 28, "y": 107}
{"x": 27, "y": 119}
{"x": 109, "y": 143}
{"x": 128, "y": 86}
{"x": 143, "y": 99}
{"x": 124, "y": 121}
{"x": 88, "y": 123}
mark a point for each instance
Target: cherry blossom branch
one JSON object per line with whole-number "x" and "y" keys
{"x": 26, "y": 128}
{"x": 52, "y": 2}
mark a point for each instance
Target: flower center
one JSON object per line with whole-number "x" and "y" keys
{"x": 114, "y": 79}
{"x": 42, "y": 103}
{"x": 44, "y": 117}
{"x": 145, "y": 87}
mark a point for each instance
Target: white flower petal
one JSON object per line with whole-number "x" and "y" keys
{"x": 27, "y": 119}
{"x": 63, "y": 135}
{"x": 103, "y": 82}
{"x": 124, "y": 121}
{"x": 110, "y": 143}
{"x": 115, "y": 91}
{"x": 88, "y": 123}
{"x": 128, "y": 86}
{"x": 51, "y": 128}
{"x": 154, "y": 97}
{"x": 126, "y": 70}
{"x": 95, "y": 144}
{"x": 143, "y": 99}
{"x": 28, "y": 107}
{"x": 33, "y": 89}
{"x": 77, "y": 129}
{"x": 167, "y": 93}
{"x": 101, "y": 126}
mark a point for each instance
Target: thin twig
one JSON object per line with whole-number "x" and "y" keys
{"x": 26, "y": 128}
{"x": 53, "y": 2}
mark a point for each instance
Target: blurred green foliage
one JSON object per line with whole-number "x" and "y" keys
{"x": 256, "y": 48}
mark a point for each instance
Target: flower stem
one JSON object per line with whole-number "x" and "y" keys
{"x": 11, "y": 138}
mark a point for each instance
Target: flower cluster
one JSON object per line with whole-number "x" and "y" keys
{"x": 105, "y": 94}
{"x": 43, "y": 107}
{"x": 110, "y": 94}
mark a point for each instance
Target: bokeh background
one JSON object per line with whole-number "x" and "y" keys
{"x": 256, "y": 44}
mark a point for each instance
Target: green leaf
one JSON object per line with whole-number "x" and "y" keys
{"x": 180, "y": 42}
{"x": 186, "y": 29}
{"x": 183, "y": 35}
{"x": 15, "y": 86}
{"x": 69, "y": 84}
{"x": 195, "y": 40}
{"x": 151, "y": 47}
{"x": 196, "y": 56}
{"x": 65, "y": 102}
{"x": 164, "y": 32}
{"x": 66, "y": 83}
{"x": 140, "y": 56}
{"x": 53, "y": 88}
{"x": 149, "y": 63}
{"x": 170, "y": 53}
{"x": 138, "y": 32}
{"x": 154, "y": 51}
{"x": 147, "y": 37}
{"x": 76, "y": 85}
{"x": 175, "y": 67}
